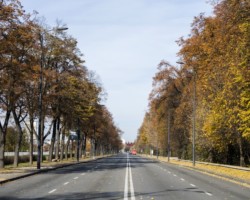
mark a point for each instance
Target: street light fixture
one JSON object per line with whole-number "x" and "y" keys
{"x": 40, "y": 100}
{"x": 194, "y": 112}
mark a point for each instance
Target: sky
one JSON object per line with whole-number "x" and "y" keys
{"x": 123, "y": 41}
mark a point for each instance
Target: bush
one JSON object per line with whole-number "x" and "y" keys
{"x": 9, "y": 160}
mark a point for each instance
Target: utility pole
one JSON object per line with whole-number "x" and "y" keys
{"x": 40, "y": 104}
{"x": 168, "y": 134}
{"x": 194, "y": 112}
{"x": 194, "y": 115}
{"x": 157, "y": 146}
{"x": 40, "y": 99}
{"x": 78, "y": 140}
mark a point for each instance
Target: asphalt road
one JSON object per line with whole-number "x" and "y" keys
{"x": 123, "y": 177}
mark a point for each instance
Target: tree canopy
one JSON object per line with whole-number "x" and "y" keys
{"x": 217, "y": 54}
{"x": 42, "y": 75}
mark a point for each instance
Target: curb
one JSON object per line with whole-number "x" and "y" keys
{"x": 208, "y": 172}
{"x": 44, "y": 171}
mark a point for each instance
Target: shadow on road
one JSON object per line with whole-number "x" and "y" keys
{"x": 108, "y": 163}
{"x": 106, "y": 195}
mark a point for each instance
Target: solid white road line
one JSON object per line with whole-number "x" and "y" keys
{"x": 126, "y": 182}
{"x": 129, "y": 185}
{"x": 132, "y": 193}
{"x": 52, "y": 191}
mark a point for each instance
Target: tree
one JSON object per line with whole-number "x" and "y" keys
{"x": 41, "y": 63}
{"x": 216, "y": 53}
{"x": 13, "y": 38}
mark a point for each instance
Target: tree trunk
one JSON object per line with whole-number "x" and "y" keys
{"x": 2, "y": 145}
{"x": 80, "y": 149}
{"x": 93, "y": 147}
{"x": 52, "y": 143}
{"x": 3, "y": 130}
{"x": 242, "y": 162}
{"x": 84, "y": 144}
{"x": 102, "y": 153}
{"x": 62, "y": 143}
{"x": 66, "y": 149}
{"x": 17, "y": 147}
{"x": 31, "y": 145}
{"x": 75, "y": 153}
{"x": 19, "y": 140}
{"x": 42, "y": 137}
{"x": 57, "y": 139}
{"x": 71, "y": 149}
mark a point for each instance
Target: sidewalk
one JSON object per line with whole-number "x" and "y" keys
{"x": 11, "y": 174}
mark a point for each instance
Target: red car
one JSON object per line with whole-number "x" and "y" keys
{"x": 133, "y": 152}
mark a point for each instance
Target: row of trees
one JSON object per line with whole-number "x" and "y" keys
{"x": 215, "y": 60}
{"x": 42, "y": 76}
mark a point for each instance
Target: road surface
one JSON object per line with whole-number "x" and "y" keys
{"x": 126, "y": 177}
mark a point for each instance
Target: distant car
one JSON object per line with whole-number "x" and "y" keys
{"x": 133, "y": 152}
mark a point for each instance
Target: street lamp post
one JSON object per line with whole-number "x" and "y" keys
{"x": 40, "y": 99}
{"x": 94, "y": 142}
{"x": 168, "y": 134}
{"x": 194, "y": 113}
{"x": 78, "y": 139}
{"x": 194, "y": 116}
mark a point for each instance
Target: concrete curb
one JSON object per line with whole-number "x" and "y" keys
{"x": 45, "y": 170}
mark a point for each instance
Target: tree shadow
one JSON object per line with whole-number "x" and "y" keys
{"x": 105, "y": 195}
{"x": 109, "y": 163}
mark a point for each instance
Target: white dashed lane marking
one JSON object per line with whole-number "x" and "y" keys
{"x": 52, "y": 191}
{"x": 182, "y": 179}
{"x": 76, "y": 178}
{"x": 66, "y": 183}
{"x": 209, "y": 194}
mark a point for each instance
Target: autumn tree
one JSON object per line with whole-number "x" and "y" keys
{"x": 15, "y": 42}
{"x": 215, "y": 62}
{"x": 42, "y": 76}
{"x": 218, "y": 50}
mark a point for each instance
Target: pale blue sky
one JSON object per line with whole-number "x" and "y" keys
{"x": 123, "y": 41}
